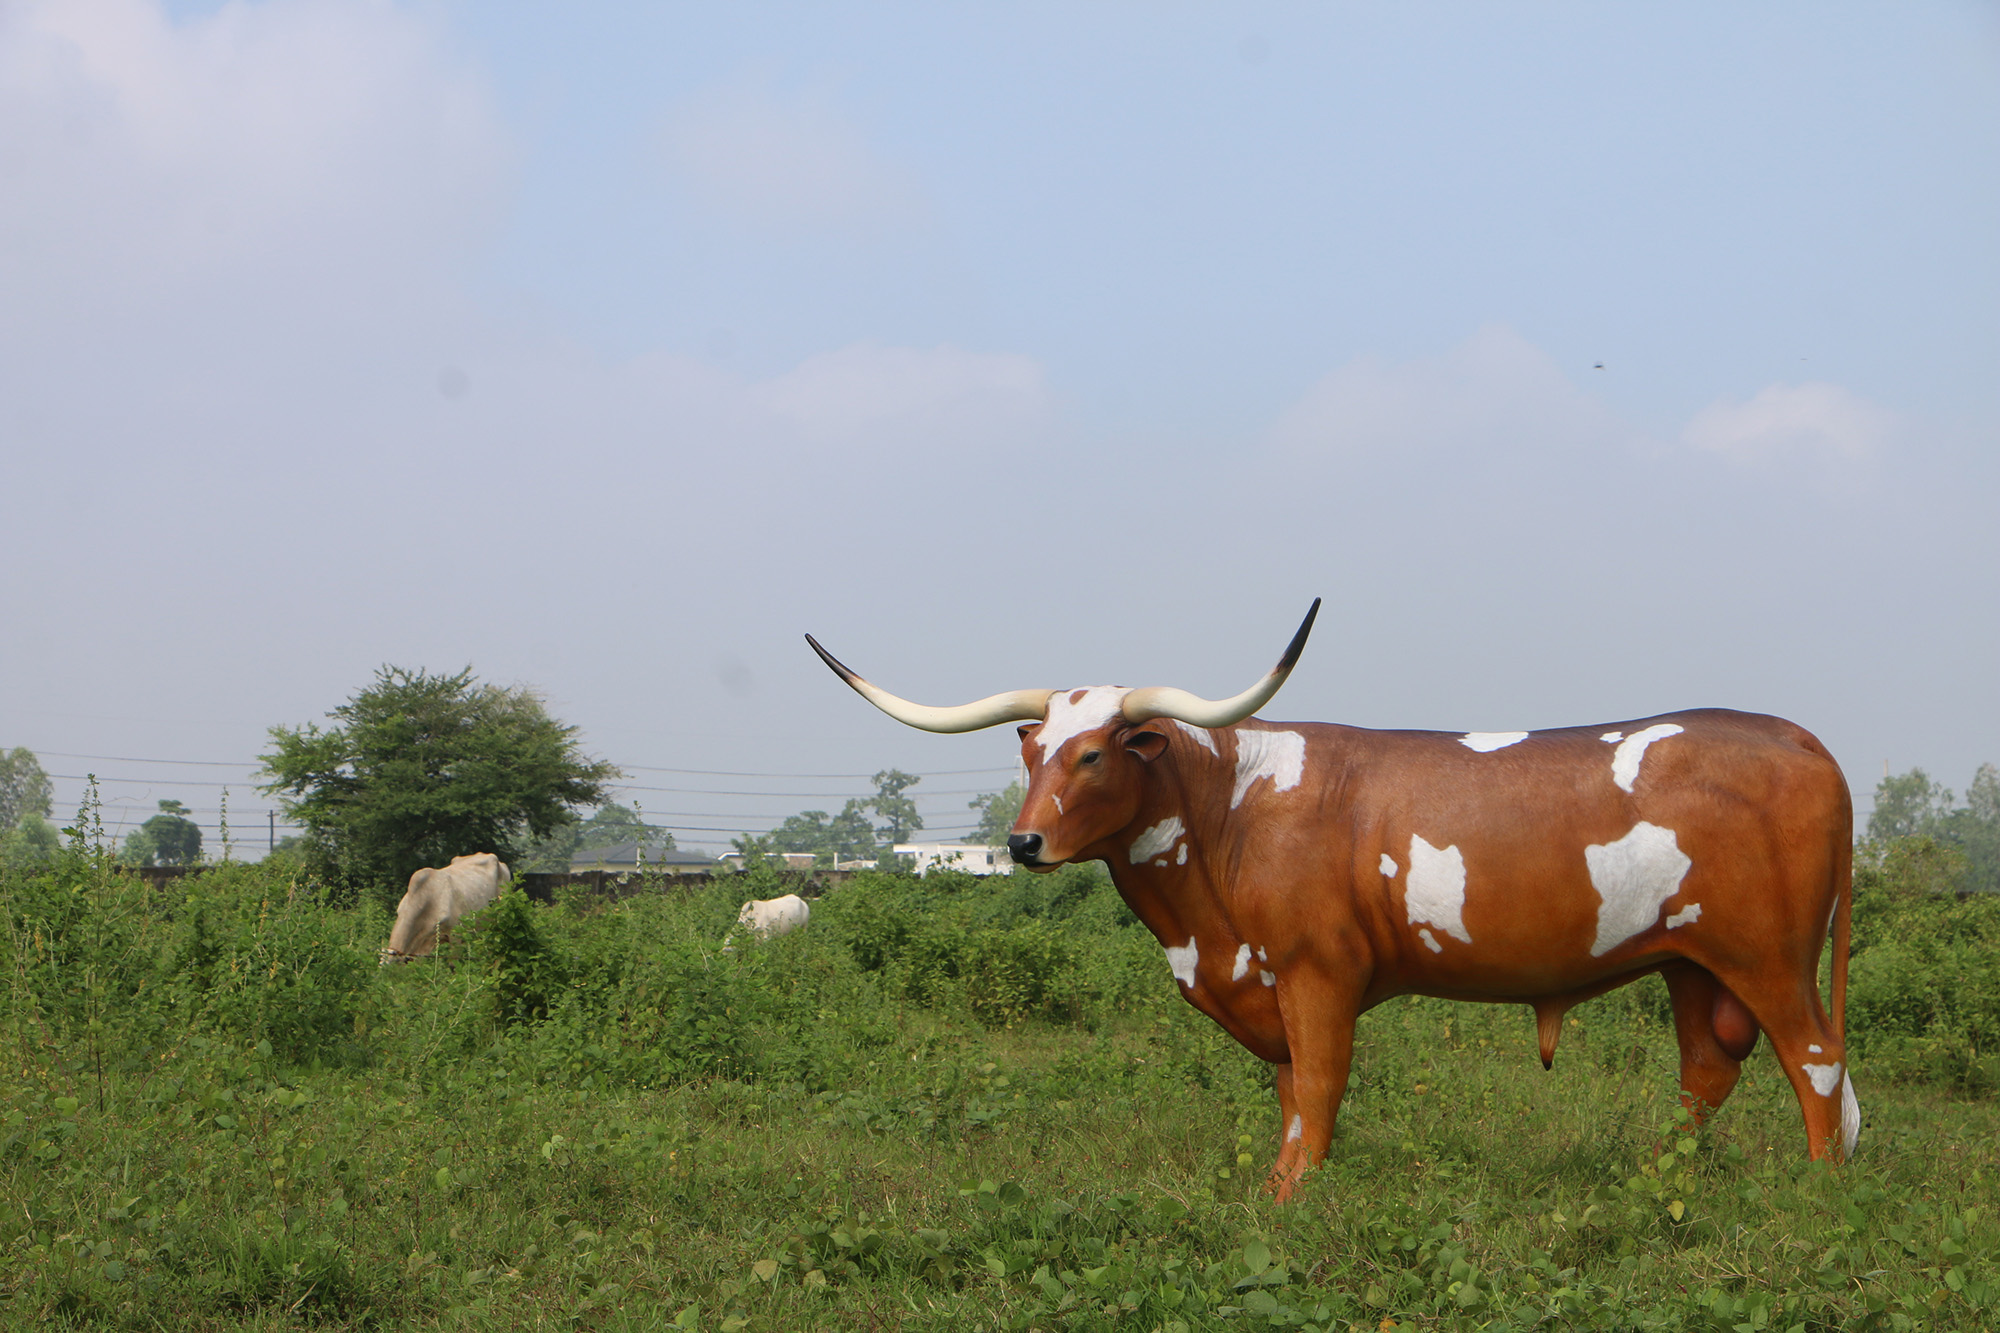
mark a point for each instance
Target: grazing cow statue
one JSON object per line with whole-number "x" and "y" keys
{"x": 771, "y": 916}
{"x": 1301, "y": 873}
{"x": 437, "y": 900}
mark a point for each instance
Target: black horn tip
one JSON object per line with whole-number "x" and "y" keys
{"x": 1298, "y": 644}
{"x": 832, "y": 661}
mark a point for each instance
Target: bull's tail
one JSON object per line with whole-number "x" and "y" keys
{"x": 1843, "y": 934}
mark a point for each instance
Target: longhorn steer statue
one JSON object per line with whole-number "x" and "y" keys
{"x": 1301, "y": 873}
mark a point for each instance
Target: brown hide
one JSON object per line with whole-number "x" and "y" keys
{"x": 1300, "y": 873}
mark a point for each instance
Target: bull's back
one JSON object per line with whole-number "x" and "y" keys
{"x": 1528, "y": 863}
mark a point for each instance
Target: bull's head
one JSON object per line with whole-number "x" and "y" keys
{"x": 1085, "y": 749}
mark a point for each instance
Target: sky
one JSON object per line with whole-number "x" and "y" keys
{"x": 1590, "y": 361}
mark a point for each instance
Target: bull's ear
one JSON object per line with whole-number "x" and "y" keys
{"x": 1146, "y": 742}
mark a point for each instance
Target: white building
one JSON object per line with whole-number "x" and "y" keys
{"x": 971, "y": 857}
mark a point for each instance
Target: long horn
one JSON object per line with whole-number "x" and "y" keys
{"x": 1166, "y": 701}
{"x": 1013, "y": 706}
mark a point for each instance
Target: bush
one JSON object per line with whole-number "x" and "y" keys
{"x": 1924, "y": 994}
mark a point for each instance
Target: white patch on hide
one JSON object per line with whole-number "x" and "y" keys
{"x": 1488, "y": 741}
{"x": 1058, "y": 801}
{"x": 1388, "y": 866}
{"x": 1201, "y": 736}
{"x": 1277, "y": 755}
{"x": 1692, "y": 912}
{"x": 1242, "y": 962}
{"x": 1850, "y": 1116}
{"x": 1430, "y": 941}
{"x": 1181, "y": 859}
{"x": 1612, "y": 737}
{"x": 1435, "y": 889}
{"x": 1296, "y": 1128}
{"x": 1625, "y": 759}
{"x": 1159, "y": 838}
{"x": 1266, "y": 977}
{"x": 1262, "y": 957}
{"x": 1814, "y": 1049}
{"x": 1183, "y": 960}
{"x": 1067, "y": 720}
{"x": 1633, "y": 876}
{"x": 1825, "y": 1078}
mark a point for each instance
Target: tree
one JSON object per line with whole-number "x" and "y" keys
{"x": 24, "y": 787}
{"x": 608, "y": 826}
{"x": 169, "y": 838}
{"x": 847, "y": 836}
{"x": 33, "y": 841}
{"x": 898, "y": 811}
{"x": 1911, "y": 806}
{"x": 420, "y": 768}
{"x": 1907, "y": 805}
{"x": 997, "y": 812}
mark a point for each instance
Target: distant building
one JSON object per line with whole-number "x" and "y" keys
{"x": 971, "y": 857}
{"x": 626, "y": 857}
{"x": 790, "y": 861}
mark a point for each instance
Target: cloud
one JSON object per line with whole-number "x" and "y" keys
{"x": 301, "y": 141}
{"x": 1793, "y": 421}
{"x": 787, "y": 162}
{"x": 1495, "y": 391}
{"x": 943, "y": 394}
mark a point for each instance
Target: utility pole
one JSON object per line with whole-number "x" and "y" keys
{"x": 274, "y": 828}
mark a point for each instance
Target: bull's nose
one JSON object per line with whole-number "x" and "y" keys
{"x": 1024, "y": 847}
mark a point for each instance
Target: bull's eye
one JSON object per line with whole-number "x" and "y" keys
{"x": 1091, "y": 756}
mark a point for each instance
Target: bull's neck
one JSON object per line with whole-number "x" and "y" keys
{"x": 1172, "y": 863}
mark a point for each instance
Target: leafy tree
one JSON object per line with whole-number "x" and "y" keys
{"x": 609, "y": 825}
{"x": 997, "y": 812}
{"x": 1907, "y": 805}
{"x": 24, "y": 787}
{"x": 847, "y": 835}
{"x": 898, "y": 811}
{"x": 755, "y": 849}
{"x": 169, "y": 838}
{"x": 33, "y": 841}
{"x": 420, "y": 768}
{"x": 1911, "y": 806}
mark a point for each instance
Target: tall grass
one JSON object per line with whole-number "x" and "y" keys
{"x": 948, "y": 1103}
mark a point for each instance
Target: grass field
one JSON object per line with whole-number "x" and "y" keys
{"x": 946, "y": 1104}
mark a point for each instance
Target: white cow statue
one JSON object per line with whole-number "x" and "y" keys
{"x": 437, "y": 900}
{"x": 771, "y": 916}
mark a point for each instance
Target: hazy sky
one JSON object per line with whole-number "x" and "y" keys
{"x": 1591, "y": 361}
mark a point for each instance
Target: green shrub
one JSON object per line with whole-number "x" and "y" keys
{"x": 1027, "y": 972}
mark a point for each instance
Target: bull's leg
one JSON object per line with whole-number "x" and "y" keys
{"x": 1319, "y": 1028}
{"x": 1812, "y": 1055}
{"x": 1288, "y": 1110}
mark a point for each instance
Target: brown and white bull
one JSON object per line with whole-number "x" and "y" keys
{"x": 1301, "y": 873}
{"x": 438, "y": 899}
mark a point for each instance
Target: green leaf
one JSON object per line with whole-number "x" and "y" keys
{"x": 1256, "y": 1256}
{"x": 765, "y": 1269}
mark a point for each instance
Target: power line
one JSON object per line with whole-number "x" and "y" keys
{"x": 637, "y": 768}
{"x": 125, "y": 759}
{"x": 855, "y": 777}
